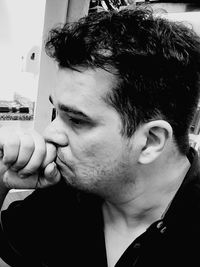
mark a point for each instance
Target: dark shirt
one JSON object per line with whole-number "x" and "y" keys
{"x": 61, "y": 226}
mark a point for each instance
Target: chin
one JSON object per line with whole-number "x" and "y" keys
{"x": 80, "y": 185}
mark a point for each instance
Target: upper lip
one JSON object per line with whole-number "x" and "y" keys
{"x": 60, "y": 158}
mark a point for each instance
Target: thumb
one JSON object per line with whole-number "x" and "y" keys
{"x": 49, "y": 177}
{"x": 52, "y": 174}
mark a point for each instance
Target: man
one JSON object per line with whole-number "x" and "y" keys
{"x": 116, "y": 181}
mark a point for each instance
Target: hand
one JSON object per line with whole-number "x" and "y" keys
{"x": 26, "y": 161}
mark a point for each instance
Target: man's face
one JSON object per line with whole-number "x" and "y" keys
{"x": 95, "y": 156}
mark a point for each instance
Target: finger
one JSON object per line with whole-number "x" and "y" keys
{"x": 9, "y": 145}
{"x": 51, "y": 176}
{"x": 52, "y": 173}
{"x": 37, "y": 156}
{"x": 50, "y": 154}
{"x": 27, "y": 147}
{"x": 12, "y": 181}
{"x": 3, "y": 168}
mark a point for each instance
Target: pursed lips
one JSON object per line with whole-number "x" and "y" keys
{"x": 61, "y": 162}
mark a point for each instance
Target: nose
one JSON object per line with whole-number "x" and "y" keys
{"x": 55, "y": 133}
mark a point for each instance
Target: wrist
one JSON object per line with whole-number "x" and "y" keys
{"x": 3, "y": 188}
{"x": 3, "y": 193}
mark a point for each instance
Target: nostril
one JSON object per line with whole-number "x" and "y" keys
{"x": 56, "y": 138}
{"x": 62, "y": 139}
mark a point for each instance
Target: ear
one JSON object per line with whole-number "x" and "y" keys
{"x": 157, "y": 134}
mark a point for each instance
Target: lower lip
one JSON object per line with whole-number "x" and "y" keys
{"x": 61, "y": 164}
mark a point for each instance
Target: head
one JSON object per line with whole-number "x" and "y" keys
{"x": 156, "y": 64}
{"x": 128, "y": 70}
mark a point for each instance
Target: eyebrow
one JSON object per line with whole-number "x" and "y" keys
{"x": 69, "y": 109}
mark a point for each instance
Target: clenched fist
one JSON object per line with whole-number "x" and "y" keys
{"x": 26, "y": 160}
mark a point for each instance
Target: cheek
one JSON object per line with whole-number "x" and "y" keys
{"x": 93, "y": 150}
{"x": 89, "y": 153}
{"x": 98, "y": 147}
{"x": 102, "y": 152}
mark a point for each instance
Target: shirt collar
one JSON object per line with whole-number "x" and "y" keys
{"x": 186, "y": 201}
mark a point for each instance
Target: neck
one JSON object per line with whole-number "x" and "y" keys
{"x": 150, "y": 196}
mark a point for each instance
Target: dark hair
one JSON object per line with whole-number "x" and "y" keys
{"x": 156, "y": 61}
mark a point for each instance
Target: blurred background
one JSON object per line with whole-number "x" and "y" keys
{"x": 27, "y": 75}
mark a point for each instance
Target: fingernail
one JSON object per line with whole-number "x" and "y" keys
{"x": 23, "y": 176}
{"x": 53, "y": 169}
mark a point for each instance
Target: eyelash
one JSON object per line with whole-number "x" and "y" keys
{"x": 76, "y": 122}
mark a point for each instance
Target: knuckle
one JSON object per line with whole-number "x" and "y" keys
{"x": 19, "y": 164}
{"x": 11, "y": 143}
{"x": 41, "y": 151}
{"x": 28, "y": 171}
{"x": 9, "y": 159}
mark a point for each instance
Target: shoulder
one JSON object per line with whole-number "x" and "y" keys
{"x": 50, "y": 216}
{"x": 55, "y": 200}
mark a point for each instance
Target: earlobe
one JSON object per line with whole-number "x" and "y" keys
{"x": 158, "y": 133}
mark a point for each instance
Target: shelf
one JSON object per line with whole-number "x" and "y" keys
{"x": 15, "y": 117}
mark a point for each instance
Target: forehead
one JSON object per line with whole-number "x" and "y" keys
{"x": 83, "y": 89}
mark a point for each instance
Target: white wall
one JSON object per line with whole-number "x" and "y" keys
{"x": 55, "y": 12}
{"x": 21, "y": 31}
{"x": 191, "y": 19}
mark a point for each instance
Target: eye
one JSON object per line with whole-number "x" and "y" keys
{"x": 76, "y": 121}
